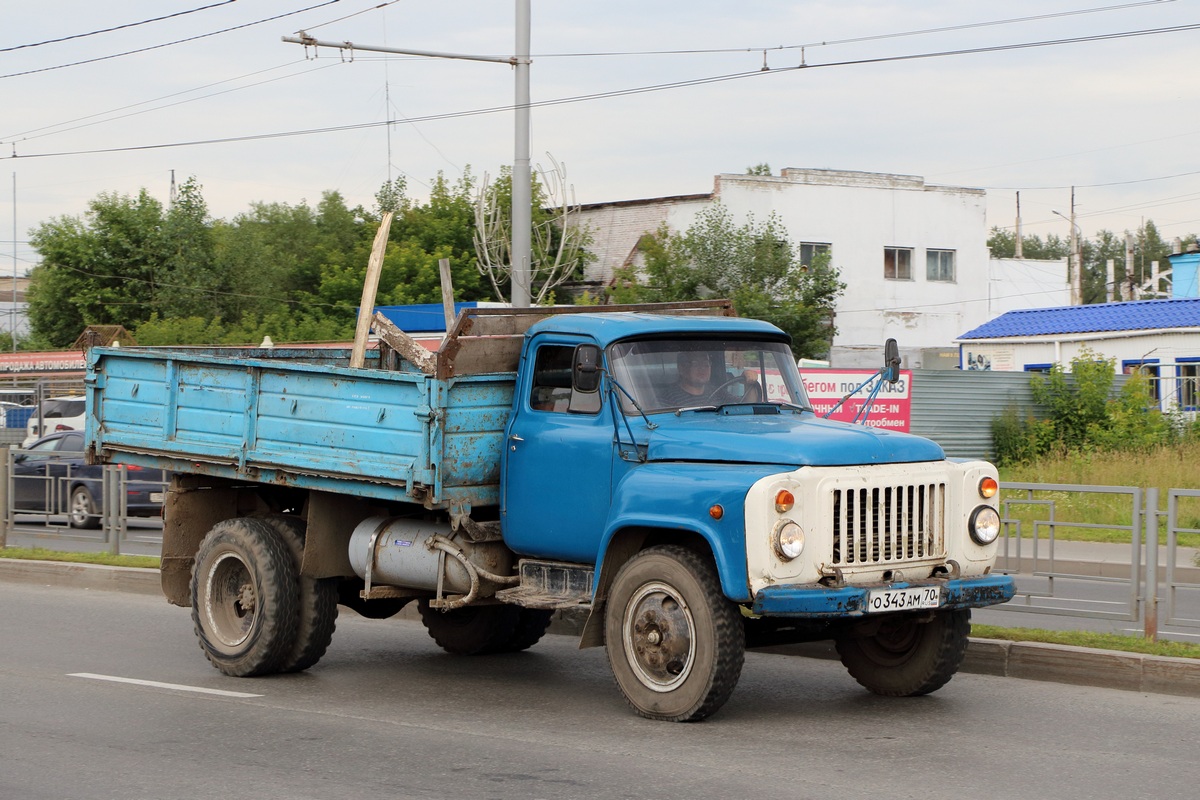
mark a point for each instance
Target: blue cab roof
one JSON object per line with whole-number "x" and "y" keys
{"x": 607, "y": 328}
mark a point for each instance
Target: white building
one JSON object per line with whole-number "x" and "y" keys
{"x": 914, "y": 256}
{"x": 1160, "y": 338}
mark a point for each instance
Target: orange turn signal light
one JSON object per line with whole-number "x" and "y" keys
{"x": 716, "y": 512}
{"x": 988, "y": 487}
{"x": 784, "y": 501}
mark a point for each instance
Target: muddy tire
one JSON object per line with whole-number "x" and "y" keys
{"x": 471, "y": 631}
{"x": 907, "y": 657}
{"x": 531, "y": 627}
{"x": 244, "y": 598}
{"x": 81, "y": 509}
{"x": 675, "y": 643}
{"x": 316, "y": 603}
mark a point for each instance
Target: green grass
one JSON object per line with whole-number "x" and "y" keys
{"x": 1163, "y": 468}
{"x": 107, "y": 559}
{"x": 1097, "y": 641}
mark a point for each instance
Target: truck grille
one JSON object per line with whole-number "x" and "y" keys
{"x": 888, "y": 524}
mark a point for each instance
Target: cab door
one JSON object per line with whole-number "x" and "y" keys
{"x": 557, "y": 470}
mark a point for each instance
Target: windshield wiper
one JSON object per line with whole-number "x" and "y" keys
{"x": 679, "y": 411}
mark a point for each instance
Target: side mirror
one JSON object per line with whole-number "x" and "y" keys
{"x": 891, "y": 361}
{"x": 585, "y": 373}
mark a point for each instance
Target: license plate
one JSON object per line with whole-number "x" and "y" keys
{"x": 156, "y": 497}
{"x": 903, "y": 599}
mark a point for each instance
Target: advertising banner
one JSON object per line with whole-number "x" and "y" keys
{"x": 891, "y": 410}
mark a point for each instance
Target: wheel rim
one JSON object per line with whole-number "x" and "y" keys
{"x": 659, "y": 641}
{"x": 231, "y": 600}
{"x": 81, "y": 506}
{"x": 894, "y": 643}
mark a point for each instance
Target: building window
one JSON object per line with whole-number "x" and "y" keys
{"x": 1042, "y": 368}
{"x": 1149, "y": 368}
{"x": 897, "y": 263}
{"x": 939, "y": 265}
{"x": 1188, "y": 376}
{"x": 810, "y": 250}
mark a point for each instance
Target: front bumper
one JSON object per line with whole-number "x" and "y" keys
{"x": 817, "y": 602}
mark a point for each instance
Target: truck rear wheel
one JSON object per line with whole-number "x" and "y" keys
{"x": 243, "y": 596}
{"x": 317, "y": 606}
{"x": 675, "y": 644}
{"x": 473, "y": 630}
{"x": 531, "y": 627}
{"x": 907, "y": 657}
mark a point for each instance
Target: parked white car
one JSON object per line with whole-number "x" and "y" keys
{"x": 56, "y": 414}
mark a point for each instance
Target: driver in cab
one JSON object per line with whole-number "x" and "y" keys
{"x": 692, "y": 387}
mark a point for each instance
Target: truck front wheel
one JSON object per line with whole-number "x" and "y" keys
{"x": 906, "y": 656}
{"x": 244, "y": 598}
{"x": 675, "y": 643}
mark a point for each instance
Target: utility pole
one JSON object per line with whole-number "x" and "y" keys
{"x": 1075, "y": 256}
{"x": 12, "y": 312}
{"x": 522, "y": 199}
{"x": 1018, "y": 253}
{"x": 522, "y": 193}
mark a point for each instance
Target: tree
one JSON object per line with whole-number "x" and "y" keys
{"x": 1003, "y": 244}
{"x": 754, "y": 264}
{"x": 98, "y": 269}
{"x": 558, "y": 242}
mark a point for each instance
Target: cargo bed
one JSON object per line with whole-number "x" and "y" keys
{"x": 300, "y": 417}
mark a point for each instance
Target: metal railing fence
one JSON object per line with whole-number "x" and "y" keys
{"x": 1046, "y": 528}
{"x": 42, "y": 516}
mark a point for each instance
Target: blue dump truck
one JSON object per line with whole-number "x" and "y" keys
{"x": 657, "y": 469}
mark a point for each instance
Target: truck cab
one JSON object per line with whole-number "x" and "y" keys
{"x": 698, "y": 437}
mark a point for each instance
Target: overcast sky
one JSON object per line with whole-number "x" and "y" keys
{"x": 1117, "y": 117}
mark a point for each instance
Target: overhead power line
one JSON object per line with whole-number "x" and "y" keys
{"x": 114, "y": 28}
{"x": 168, "y": 44}
{"x": 628, "y": 92}
{"x": 861, "y": 39}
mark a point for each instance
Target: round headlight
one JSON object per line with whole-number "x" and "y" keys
{"x": 789, "y": 540}
{"x": 985, "y": 525}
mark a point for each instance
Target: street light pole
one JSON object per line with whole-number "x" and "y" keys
{"x": 1075, "y": 269}
{"x": 522, "y": 191}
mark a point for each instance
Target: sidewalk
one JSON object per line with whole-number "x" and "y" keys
{"x": 1028, "y": 660}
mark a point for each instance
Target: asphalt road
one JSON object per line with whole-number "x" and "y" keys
{"x": 386, "y": 714}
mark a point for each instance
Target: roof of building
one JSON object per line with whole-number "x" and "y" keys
{"x": 1136, "y": 315}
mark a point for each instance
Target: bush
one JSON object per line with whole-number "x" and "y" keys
{"x": 1082, "y": 417}
{"x": 1020, "y": 439}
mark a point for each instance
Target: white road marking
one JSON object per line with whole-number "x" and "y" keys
{"x": 159, "y": 685}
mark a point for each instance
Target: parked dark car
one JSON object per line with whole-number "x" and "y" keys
{"x": 52, "y": 478}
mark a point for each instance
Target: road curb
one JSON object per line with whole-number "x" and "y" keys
{"x": 1036, "y": 661}
{"x": 81, "y": 576}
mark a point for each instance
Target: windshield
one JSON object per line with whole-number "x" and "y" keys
{"x": 669, "y": 374}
